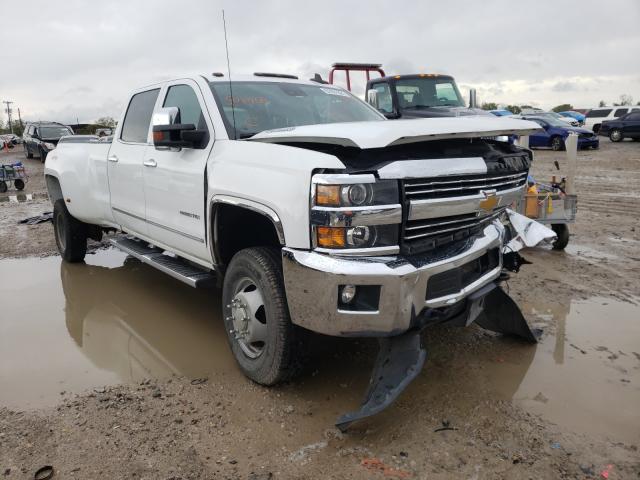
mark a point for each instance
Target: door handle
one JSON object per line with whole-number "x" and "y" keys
{"x": 112, "y": 158}
{"x": 150, "y": 163}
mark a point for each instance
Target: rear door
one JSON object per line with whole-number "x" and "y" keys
{"x": 126, "y": 182}
{"x": 174, "y": 181}
{"x": 631, "y": 124}
{"x": 540, "y": 138}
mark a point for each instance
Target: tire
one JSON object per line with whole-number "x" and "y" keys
{"x": 19, "y": 184}
{"x": 255, "y": 277}
{"x": 27, "y": 152}
{"x": 71, "y": 234}
{"x": 3, "y": 187}
{"x": 615, "y": 135}
{"x": 43, "y": 155}
{"x": 562, "y": 231}
{"x": 557, "y": 144}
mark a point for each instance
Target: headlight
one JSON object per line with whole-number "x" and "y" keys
{"x": 49, "y": 146}
{"x": 355, "y": 214}
{"x": 363, "y": 236}
{"x": 358, "y": 194}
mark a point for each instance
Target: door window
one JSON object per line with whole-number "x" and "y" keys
{"x": 135, "y": 127}
{"x": 183, "y": 97}
{"x": 598, "y": 113}
{"x": 385, "y": 102}
{"x": 621, "y": 111}
{"x": 633, "y": 116}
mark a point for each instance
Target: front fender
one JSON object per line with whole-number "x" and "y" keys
{"x": 270, "y": 178}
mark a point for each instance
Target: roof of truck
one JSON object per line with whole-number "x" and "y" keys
{"x": 259, "y": 77}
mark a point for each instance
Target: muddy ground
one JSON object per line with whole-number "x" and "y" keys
{"x": 113, "y": 370}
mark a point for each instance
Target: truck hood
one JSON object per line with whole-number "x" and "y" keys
{"x": 385, "y": 133}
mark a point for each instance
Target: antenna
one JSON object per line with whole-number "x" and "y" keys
{"x": 226, "y": 46}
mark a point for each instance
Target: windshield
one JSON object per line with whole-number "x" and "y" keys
{"x": 54, "y": 132}
{"x": 259, "y": 106}
{"x": 426, "y": 92}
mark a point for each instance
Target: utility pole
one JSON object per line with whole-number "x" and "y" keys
{"x": 8, "y": 103}
{"x": 20, "y": 119}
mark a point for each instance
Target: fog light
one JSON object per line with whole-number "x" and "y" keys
{"x": 348, "y": 293}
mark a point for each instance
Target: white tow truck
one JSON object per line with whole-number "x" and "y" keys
{"x": 310, "y": 208}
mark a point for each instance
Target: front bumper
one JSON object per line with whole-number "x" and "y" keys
{"x": 588, "y": 142}
{"x": 312, "y": 282}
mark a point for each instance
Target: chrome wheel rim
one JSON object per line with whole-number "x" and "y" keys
{"x": 615, "y": 135}
{"x": 62, "y": 241}
{"x": 556, "y": 144}
{"x": 248, "y": 319}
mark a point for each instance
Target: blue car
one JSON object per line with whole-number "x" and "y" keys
{"x": 575, "y": 115}
{"x": 556, "y": 131}
{"x": 501, "y": 113}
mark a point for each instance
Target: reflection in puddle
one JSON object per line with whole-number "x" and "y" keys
{"x": 76, "y": 327}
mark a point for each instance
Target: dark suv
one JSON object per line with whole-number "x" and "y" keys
{"x": 42, "y": 137}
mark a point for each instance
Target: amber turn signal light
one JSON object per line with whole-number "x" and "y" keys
{"x": 330, "y": 237}
{"x": 328, "y": 195}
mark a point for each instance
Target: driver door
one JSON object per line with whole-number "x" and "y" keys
{"x": 175, "y": 179}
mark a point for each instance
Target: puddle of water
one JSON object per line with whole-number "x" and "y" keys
{"x": 587, "y": 375}
{"x": 76, "y": 327}
{"x": 67, "y": 327}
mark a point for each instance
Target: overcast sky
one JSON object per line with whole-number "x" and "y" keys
{"x": 65, "y": 59}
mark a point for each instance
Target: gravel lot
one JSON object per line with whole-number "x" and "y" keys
{"x": 563, "y": 410}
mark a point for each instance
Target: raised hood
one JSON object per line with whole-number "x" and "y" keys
{"x": 386, "y": 133}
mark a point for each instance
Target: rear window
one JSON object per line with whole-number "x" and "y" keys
{"x": 621, "y": 111}
{"x": 599, "y": 113}
{"x": 135, "y": 127}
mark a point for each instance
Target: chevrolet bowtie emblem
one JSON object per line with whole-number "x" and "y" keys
{"x": 490, "y": 200}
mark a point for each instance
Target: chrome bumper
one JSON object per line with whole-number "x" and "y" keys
{"x": 312, "y": 281}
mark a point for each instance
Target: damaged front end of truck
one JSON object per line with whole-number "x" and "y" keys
{"x": 416, "y": 231}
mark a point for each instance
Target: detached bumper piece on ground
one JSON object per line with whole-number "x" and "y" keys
{"x": 401, "y": 358}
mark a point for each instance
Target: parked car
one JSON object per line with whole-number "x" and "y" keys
{"x": 41, "y": 137}
{"x": 596, "y": 116}
{"x": 311, "y": 209}
{"x": 501, "y": 113}
{"x": 555, "y": 133}
{"x": 575, "y": 115}
{"x": 627, "y": 126}
{"x": 569, "y": 121}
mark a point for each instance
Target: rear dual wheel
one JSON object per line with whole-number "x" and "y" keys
{"x": 71, "y": 233}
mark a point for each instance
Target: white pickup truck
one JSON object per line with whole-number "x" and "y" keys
{"x": 310, "y": 209}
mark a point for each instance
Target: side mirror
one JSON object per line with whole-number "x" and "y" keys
{"x": 372, "y": 97}
{"x": 169, "y": 135}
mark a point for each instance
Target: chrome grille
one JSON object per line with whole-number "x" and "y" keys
{"x": 461, "y": 186}
{"x": 449, "y": 209}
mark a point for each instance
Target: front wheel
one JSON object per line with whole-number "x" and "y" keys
{"x": 256, "y": 316}
{"x": 27, "y": 153}
{"x": 19, "y": 184}
{"x": 3, "y": 187}
{"x": 71, "y": 233}
{"x": 615, "y": 135}
{"x": 557, "y": 144}
{"x": 562, "y": 231}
